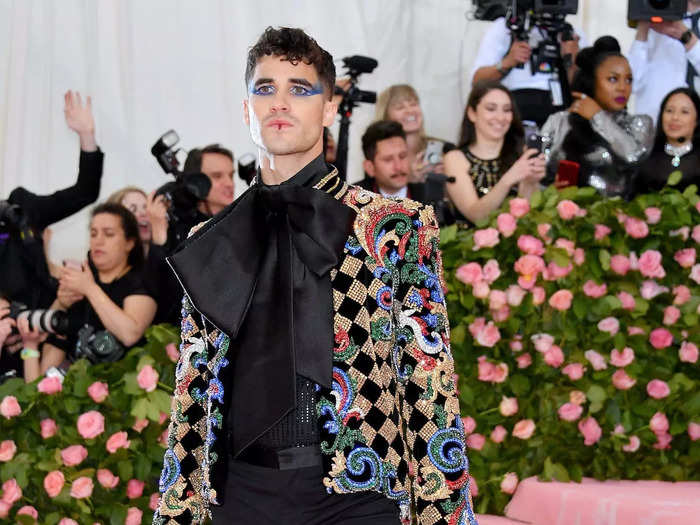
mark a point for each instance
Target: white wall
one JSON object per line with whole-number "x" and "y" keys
{"x": 152, "y": 65}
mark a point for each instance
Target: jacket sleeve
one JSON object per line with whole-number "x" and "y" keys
{"x": 44, "y": 210}
{"x": 184, "y": 480}
{"x": 427, "y": 387}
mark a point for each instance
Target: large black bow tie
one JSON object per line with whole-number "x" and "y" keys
{"x": 260, "y": 271}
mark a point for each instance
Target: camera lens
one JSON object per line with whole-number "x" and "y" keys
{"x": 659, "y": 4}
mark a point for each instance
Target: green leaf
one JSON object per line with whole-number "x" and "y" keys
{"x": 596, "y": 394}
{"x": 536, "y": 199}
{"x": 674, "y": 178}
{"x": 520, "y": 384}
{"x": 126, "y": 470}
{"x": 140, "y": 408}
{"x": 448, "y": 234}
{"x": 119, "y": 515}
{"x": 160, "y": 400}
{"x": 458, "y": 334}
{"x": 604, "y": 258}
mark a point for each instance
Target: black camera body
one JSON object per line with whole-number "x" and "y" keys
{"x": 50, "y": 321}
{"x": 656, "y": 10}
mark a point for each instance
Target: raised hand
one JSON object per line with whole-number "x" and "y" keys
{"x": 79, "y": 118}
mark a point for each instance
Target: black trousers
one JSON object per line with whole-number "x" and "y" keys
{"x": 263, "y": 496}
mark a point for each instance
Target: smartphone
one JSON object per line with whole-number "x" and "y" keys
{"x": 567, "y": 174}
{"x": 538, "y": 142}
{"x": 73, "y": 264}
{"x": 433, "y": 152}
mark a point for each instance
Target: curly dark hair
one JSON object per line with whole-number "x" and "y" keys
{"x": 130, "y": 226}
{"x": 660, "y": 140}
{"x": 378, "y": 131}
{"x": 294, "y": 45}
{"x": 589, "y": 59}
{"x": 514, "y": 138}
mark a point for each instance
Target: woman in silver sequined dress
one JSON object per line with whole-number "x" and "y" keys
{"x": 597, "y": 132}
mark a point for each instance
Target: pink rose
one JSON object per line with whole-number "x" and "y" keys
{"x": 570, "y": 412}
{"x": 475, "y": 441}
{"x": 82, "y": 488}
{"x": 67, "y": 521}
{"x": 597, "y": 361}
{"x": 7, "y": 450}
{"x": 154, "y": 501}
{"x": 694, "y": 431}
{"x": 681, "y": 294}
{"x": 11, "y": 491}
{"x": 610, "y": 325}
{"x": 91, "y": 424}
{"x": 489, "y": 336}
{"x": 627, "y": 300}
{"x": 529, "y": 267}
{"x": 566, "y": 245}
{"x": 543, "y": 230}
{"x": 491, "y": 271}
{"x": 518, "y": 207}
{"x": 653, "y": 215}
{"x": 28, "y": 510}
{"x": 696, "y": 233}
{"x": 172, "y": 352}
{"x": 486, "y": 238}
{"x": 591, "y": 431}
{"x": 686, "y": 258}
{"x": 497, "y": 299}
{"x": 140, "y": 424}
{"x": 622, "y": 381}
{"x": 554, "y": 357}
{"x": 688, "y": 352}
{"x": 133, "y": 516}
{"x": 601, "y": 231}
{"x": 4, "y": 509}
{"x": 579, "y": 256}
{"x": 524, "y": 360}
{"x": 500, "y": 373}
{"x": 9, "y": 407}
{"x": 469, "y": 273}
{"x": 636, "y": 228}
{"x": 577, "y": 397}
{"x": 49, "y": 385}
{"x": 106, "y": 478}
{"x": 633, "y": 444}
{"x": 508, "y": 406}
{"x": 651, "y": 289}
{"x": 53, "y": 483}
{"x": 530, "y": 245}
{"x": 48, "y": 428}
{"x": 509, "y": 483}
{"x": 561, "y": 300}
{"x": 660, "y": 338}
{"x": 116, "y": 441}
{"x": 73, "y": 455}
{"x": 574, "y": 371}
{"x": 148, "y": 378}
{"x": 619, "y": 264}
{"x": 671, "y": 315}
{"x": 481, "y": 290}
{"x": 538, "y": 295}
{"x": 506, "y": 224}
{"x": 663, "y": 441}
{"x": 515, "y": 295}
{"x": 591, "y": 289}
{"x": 568, "y": 209}
{"x": 477, "y": 326}
{"x": 635, "y": 330}
{"x": 650, "y": 264}
{"x": 516, "y": 345}
{"x": 695, "y": 273}
{"x": 502, "y": 314}
{"x": 524, "y": 429}
{"x": 622, "y": 359}
{"x": 98, "y": 391}
{"x": 542, "y": 342}
{"x": 659, "y": 423}
{"x": 469, "y": 424}
{"x": 473, "y": 487}
{"x": 554, "y": 271}
{"x": 680, "y": 232}
{"x": 499, "y": 433}
{"x": 134, "y": 488}
{"x": 658, "y": 389}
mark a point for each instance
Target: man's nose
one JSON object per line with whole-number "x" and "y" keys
{"x": 280, "y": 101}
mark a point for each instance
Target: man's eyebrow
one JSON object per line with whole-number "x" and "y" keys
{"x": 261, "y": 81}
{"x": 301, "y": 82}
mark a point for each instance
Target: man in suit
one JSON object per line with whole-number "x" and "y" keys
{"x": 315, "y": 383}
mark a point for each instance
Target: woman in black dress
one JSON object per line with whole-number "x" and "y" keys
{"x": 677, "y": 143}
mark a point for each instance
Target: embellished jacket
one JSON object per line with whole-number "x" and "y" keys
{"x": 390, "y": 421}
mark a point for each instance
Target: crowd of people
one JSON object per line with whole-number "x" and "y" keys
{"x": 124, "y": 283}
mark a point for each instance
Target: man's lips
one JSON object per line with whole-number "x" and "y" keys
{"x": 279, "y": 124}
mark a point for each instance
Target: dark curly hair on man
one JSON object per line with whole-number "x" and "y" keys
{"x": 294, "y": 45}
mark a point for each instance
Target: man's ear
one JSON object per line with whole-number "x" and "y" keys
{"x": 330, "y": 109}
{"x": 368, "y": 166}
{"x": 246, "y": 116}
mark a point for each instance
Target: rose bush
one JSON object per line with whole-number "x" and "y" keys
{"x": 86, "y": 449}
{"x": 599, "y": 353}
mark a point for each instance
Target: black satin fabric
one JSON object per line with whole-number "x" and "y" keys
{"x": 260, "y": 272}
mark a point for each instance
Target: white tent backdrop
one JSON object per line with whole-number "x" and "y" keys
{"x": 158, "y": 64}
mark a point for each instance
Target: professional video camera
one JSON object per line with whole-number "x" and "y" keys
{"x": 247, "y": 168}
{"x": 355, "y": 66}
{"x": 51, "y": 321}
{"x": 655, "y": 10}
{"x": 187, "y": 189}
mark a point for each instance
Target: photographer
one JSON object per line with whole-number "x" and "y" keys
{"x": 107, "y": 303}
{"x": 665, "y": 56}
{"x": 25, "y": 274}
{"x": 216, "y": 162}
{"x": 505, "y": 57}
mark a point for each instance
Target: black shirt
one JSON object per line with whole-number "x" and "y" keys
{"x": 655, "y": 171}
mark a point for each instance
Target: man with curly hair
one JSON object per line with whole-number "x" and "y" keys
{"x": 315, "y": 383}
